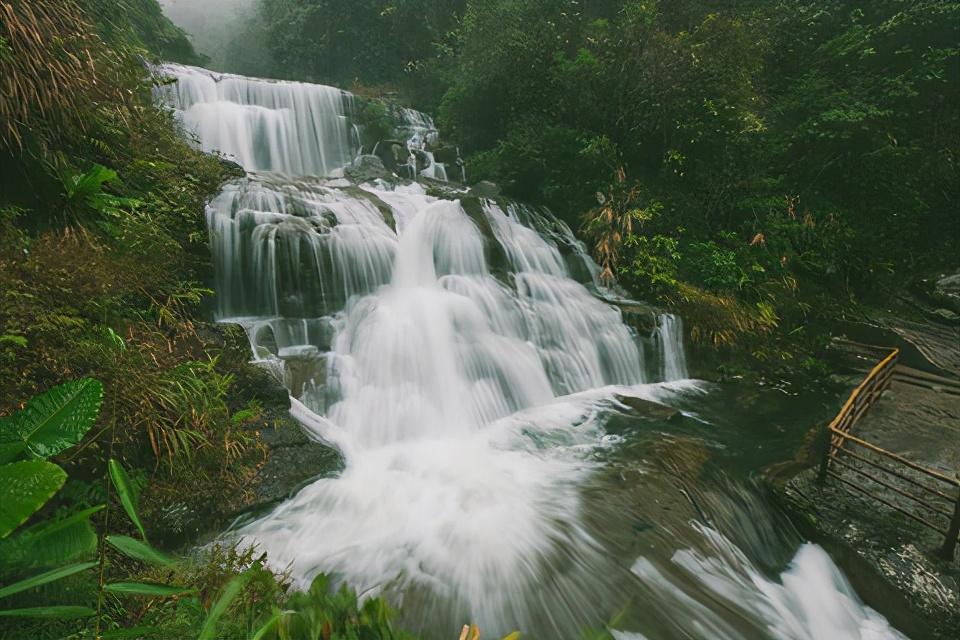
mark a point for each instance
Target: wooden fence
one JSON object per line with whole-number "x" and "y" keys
{"x": 934, "y": 494}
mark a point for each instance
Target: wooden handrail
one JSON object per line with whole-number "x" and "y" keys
{"x": 883, "y": 364}
{"x": 897, "y": 458}
{"x": 837, "y": 433}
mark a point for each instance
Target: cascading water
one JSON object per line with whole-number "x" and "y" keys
{"x": 456, "y": 353}
{"x": 421, "y": 133}
{"x": 668, "y": 339}
{"x": 291, "y": 128}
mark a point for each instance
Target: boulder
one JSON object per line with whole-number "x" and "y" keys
{"x": 367, "y": 168}
{"x": 447, "y": 155}
{"x": 648, "y": 409}
{"x": 484, "y": 189}
{"x": 947, "y": 290}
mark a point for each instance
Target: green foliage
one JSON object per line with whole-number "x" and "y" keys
{"x": 712, "y": 265}
{"x": 145, "y": 589}
{"x": 230, "y": 593}
{"x": 788, "y": 147}
{"x": 25, "y": 487}
{"x": 339, "y": 41}
{"x": 133, "y": 548}
{"x": 52, "y": 421}
{"x": 321, "y": 611}
{"x": 126, "y": 492}
{"x": 50, "y": 543}
{"x": 49, "y": 424}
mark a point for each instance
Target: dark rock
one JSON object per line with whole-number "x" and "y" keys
{"x": 423, "y": 160}
{"x": 294, "y": 461}
{"x": 484, "y": 189}
{"x": 381, "y": 206}
{"x": 640, "y": 317}
{"x": 887, "y": 565}
{"x": 231, "y": 168}
{"x": 392, "y": 154}
{"x": 447, "y": 156}
{"x": 497, "y": 261}
{"x": 648, "y": 409}
{"x": 947, "y": 291}
{"x": 366, "y": 169}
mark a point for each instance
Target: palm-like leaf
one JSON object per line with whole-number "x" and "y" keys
{"x": 126, "y": 492}
{"x": 49, "y": 543}
{"x": 139, "y": 551}
{"x": 45, "y": 578}
{"x": 25, "y": 487}
{"x": 53, "y": 421}
{"x": 62, "y": 612}
{"x": 146, "y": 589}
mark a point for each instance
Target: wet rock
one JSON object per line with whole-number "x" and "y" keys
{"x": 484, "y": 189}
{"x": 892, "y": 566}
{"x": 338, "y": 183}
{"x": 367, "y": 168}
{"x": 642, "y": 318}
{"x": 294, "y": 461}
{"x": 303, "y": 365}
{"x": 648, "y": 409}
{"x": 231, "y": 168}
{"x": 497, "y": 260}
{"x": 385, "y": 211}
{"x": 422, "y": 159}
{"x": 447, "y": 155}
{"x": 392, "y": 154}
{"x": 945, "y": 315}
{"x": 947, "y": 291}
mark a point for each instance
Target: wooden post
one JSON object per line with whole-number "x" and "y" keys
{"x": 950, "y": 544}
{"x": 825, "y": 445}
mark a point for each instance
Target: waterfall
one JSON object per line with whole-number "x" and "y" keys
{"x": 290, "y": 128}
{"x": 668, "y": 338}
{"x": 455, "y": 350}
{"x": 421, "y": 134}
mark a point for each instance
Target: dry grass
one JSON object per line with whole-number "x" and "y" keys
{"x": 52, "y": 66}
{"x": 722, "y": 321}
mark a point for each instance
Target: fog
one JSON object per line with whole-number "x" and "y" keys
{"x": 224, "y": 31}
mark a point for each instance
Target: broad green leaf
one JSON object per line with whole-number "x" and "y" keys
{"x": 52, "y": 421}
{"x": 62, "y": 612}
{"x": 50, "y": 543}
{"x": 45, "y": 578}
{"x": 25, "y": 487}
{"x": 133, "y": 548}
{"x": 128, "y": 497}
{"x": 230, "y": 593}
{"x": 145, "y": 589}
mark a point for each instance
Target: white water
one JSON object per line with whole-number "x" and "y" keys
{"x": 668, "y": 339}
{"x": 463, "y": 373}
{"x": 291, "y": 128}
{"x": 421, "y": 135}
{"x": 811, "y": 600}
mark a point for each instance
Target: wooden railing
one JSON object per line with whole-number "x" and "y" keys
{"x": 886, "y": 469}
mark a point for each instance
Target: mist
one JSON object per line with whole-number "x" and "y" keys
{"x": 224, "y": 31}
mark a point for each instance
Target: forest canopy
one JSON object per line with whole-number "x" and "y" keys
{"x": 786, "y": 153}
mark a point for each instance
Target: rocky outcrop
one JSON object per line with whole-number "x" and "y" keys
{"x": 367, "y": 168}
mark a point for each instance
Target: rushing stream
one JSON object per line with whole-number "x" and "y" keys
{"x": 508, "y": 456}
